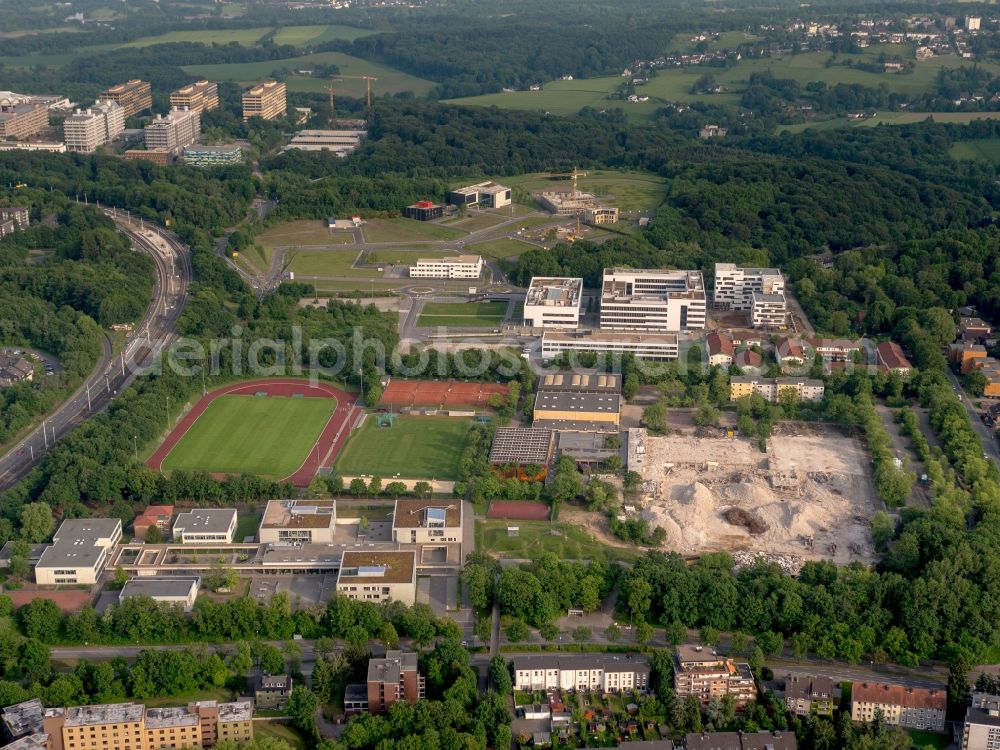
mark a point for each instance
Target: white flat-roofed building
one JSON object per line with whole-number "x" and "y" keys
{"x": 768, "y": 310}
{"x": 981, "y": 728}
{"x": 179, "y": 128}
{"x": 340, "y": 142}
{"x": 652, "y": 300}
{"x": 426, "y": 522}
{"x": 735, "y": 286}
{"x": 553, "y": 302}
{"x": 488, "y": 194}
{"x": 86, "y": 130}
{"x": 608, "y": 673}
{"x": 79, "y": 551}
{"x": 660, "y": 347}
{"x": 181, "y": 590}
{"x": 378, "y": 576}
{"x": 56, "y": 147}
{"x": 205, "y": 526}
{"x": 459, "y": 267}
{"x": 210, "y": 156}
{"x": 298, "y": 522}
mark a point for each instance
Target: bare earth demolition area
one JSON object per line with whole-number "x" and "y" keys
{"x": 809, "y": 497}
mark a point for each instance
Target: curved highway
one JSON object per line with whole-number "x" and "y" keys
{"x": 151, "y": 336}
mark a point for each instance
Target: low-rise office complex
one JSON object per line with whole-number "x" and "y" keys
{"x": 205, "y": 526}
{"x": 553, "y": 302}
{"x": 652, "y": 300}
{"x": 201, "y": 96}
{"x": 662, "y": 347}
{"x": 909, "y": 707}
{"x": 79, "y": 551}
{"x": 212, "y": 156}
{"x": 607, "y": 673}
{"x": 340, "y": 142}
{"x": 378, "y": 576}
{"x": 457, "y": 267}
{"x": 735, "y": 287}
{"x": 266, "y": 100}
{"x": 485, "y": 194}
{"x": 426, "y": 522}
{"x": 133, "y": 97}
{"x": 87, "y": 130}
{"x": 171, "y": 133}
{"x": 773, "y": 389}
{"x": 706, "y": 675}
{"x": 424, "y": 211}
{"x": 298, "y": 522}
{"x": 181, "y": 591}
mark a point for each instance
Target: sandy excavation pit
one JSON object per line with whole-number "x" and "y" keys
{"x": 809, "y": 497}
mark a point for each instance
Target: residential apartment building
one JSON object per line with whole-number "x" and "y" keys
{"x": 271, "y": 692}
{"x": 133, "y": 97}
{"x": 426, "y": 522}
{"x": 13, "y": 220}
{"x": 975, "y": 329}
{"x": 132, "y": 726}
{"x": 807, "y": 695}
{"x": 805, "y": 389}
{"x": 392, "y": 679}
{"x": 719, "y": 349}
{"x": 706, "y": 675}
{"x": 458, "y": 267}
{"x": 298, "y": 522}
{"x": 981, "y": 728}
{"x": 553, "y": 302}
{"x": 768, "y": 310}
{"x": 205, "y": 526}
{"x": 660, "y": 347}
{"x": 21, "y": 121}
{"x": 607, "y": 673}
{"x": 835, "y": 350}
{"x": 212, "y": 156}
{"x": 485, "y": 194}
{"x": 762, "y": 740}
{"x": 174, "y": 131}
{"x": 266, "y": 100}
{"x": 735, "y": 287}
{"x": 889, "y": 357}
{"x": 21, "y": 719}
{"x": 201, "y": 96}
{"x": 652, "y": 300}
{"x": 378, "y": 576}
{"x": 79, "y": 552}
{"x": 13, "y": 368}
{"x": 967, "y": 355}
{"x": 789, "y": 352}
{"x": 85, "y": 131}
{"x": 909, "y": 707}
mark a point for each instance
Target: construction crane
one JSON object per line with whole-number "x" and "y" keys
{"x": 368, "y": 84}
{"x": 333, "y": 116}
{"x": 574, "y": 175}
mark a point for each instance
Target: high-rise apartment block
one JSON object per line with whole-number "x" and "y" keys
{"x": 266, "y": 100}
{"x": 201, "y": 96}
{"x": 85, "y": 130}
{"x": 652, "y": 300}
{"x": 22, "y": 120}
{"x": 180, "y": 128}
{"x": 133, "y": 96}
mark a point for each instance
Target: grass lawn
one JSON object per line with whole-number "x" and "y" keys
{"x": 535, "y": 538}
{"x": 333, "y": 287}
{"x": 476, "y": 220}
{"x": 464, "y": 314}
{"x": 502, "y": 248}
{"x": 208, "y": 694}
{"x": 920, "y": 738}
{"x": 407, "y": 230}
{"x": 414, "y": 448}
{"x": 406, "y": 256}
{"x": 987, "y": 150}
{"x": 390, "y": 81}
{"x": 304, "y": 233}
{"x": 626, "y": 189}
{"x": 327, "y": 263}
{"x": 299, "y": 35}
{"x": 244, "y": 37}
{"x": 247, "y": 524}
{"x": 278, "y": 731}
{"x": 267, "y": 436}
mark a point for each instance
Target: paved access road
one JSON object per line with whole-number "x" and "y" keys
{"x": 152, "y": 335}
{"x": 991, "y": 446}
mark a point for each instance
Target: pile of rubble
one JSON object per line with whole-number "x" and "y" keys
{"x": 789, "y": 564}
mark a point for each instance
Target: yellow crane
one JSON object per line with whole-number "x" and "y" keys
{"x": 574, "y": 175}
{"x": 368, "y": 84}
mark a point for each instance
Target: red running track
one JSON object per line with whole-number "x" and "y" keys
{"x": 324, "y": 450}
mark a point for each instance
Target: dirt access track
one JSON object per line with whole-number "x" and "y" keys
{"x": 809, "y": 497}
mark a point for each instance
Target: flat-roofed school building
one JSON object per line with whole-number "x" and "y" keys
{"x": 205, "y": 526}
{"x": 181, "y": 591}
{"x": 299, "y": 521}
{"x": 79, "y": 551}
{"x": 426, "y": 521}
{"x": 378, "y": 576}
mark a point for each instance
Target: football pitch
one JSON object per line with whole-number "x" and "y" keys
{"x": 269, "y": 436}
{"x": 413, "y": 448}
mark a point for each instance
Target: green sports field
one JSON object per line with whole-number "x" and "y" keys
{"x": 267, "y": 436}
{"x": 413, "y": 448}
{"x": 464, "y": 314}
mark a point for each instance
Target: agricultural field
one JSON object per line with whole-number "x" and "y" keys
{"x": 629, "y": 190}
{"x": 390, "y": 81}
{"x": 557, "y": 97}
{"x": 463, "y": 314}
{"x": 987, "y": 150}
{"x": 891, "y": 118}
{"x": 408, "y": 230}
{"x": 266, "y": 436}
{"x": 414, "y": 448}
{"x": 534, "y": 538}
{"x": 244, "y": 37}
{"x": 300, "y": 35}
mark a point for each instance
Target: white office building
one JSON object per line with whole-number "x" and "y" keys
{"x": 735, "y": 287}
{"x": 553, "y": 302}
{"x": 768, "y": 310}
{"x": 486, "y": 194}
{"x": 458, "y": 267}
{"x": 652, "y": 300}
{"x": 661, "y": 347}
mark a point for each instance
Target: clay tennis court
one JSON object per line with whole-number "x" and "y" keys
{"x": 518, "y": 510}
{"x": 322, "y": 452}
{"x": 401, "y": 392}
